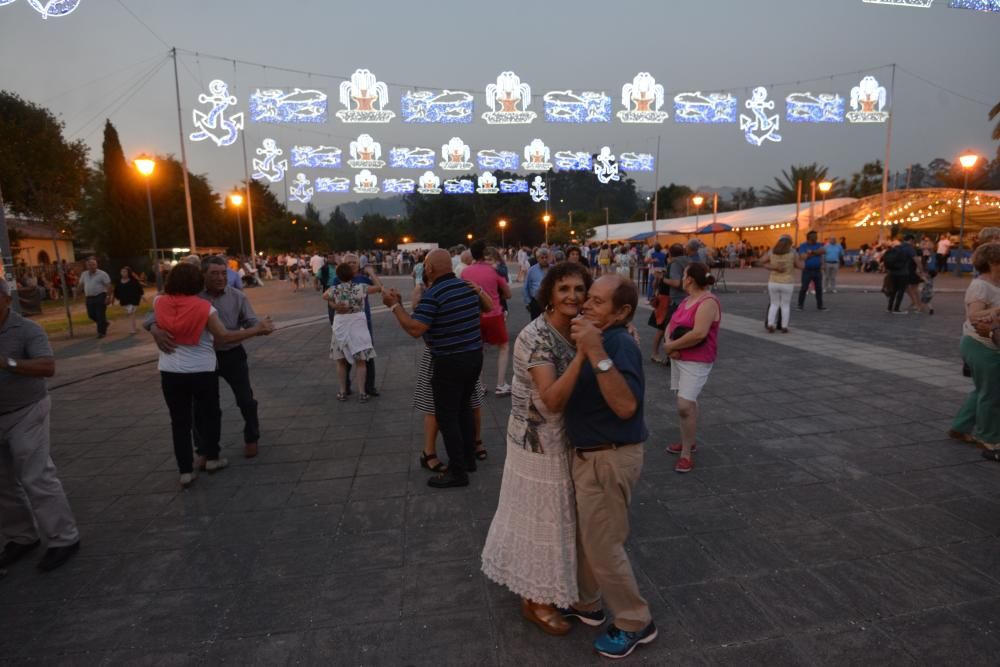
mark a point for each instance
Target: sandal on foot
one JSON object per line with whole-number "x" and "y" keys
{"x": 341, "y": 396}
{"x": 481, "y": 452}
{"x": 425, "y": 462}
{"x": 363, "y": 398}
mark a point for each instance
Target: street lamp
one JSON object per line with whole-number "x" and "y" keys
{"x": 546, "y": 218}
{"x": 968, "y": 161}
{"x": 503, "y": 226}
{"x": 406, "y": 239}
{"x": 145, "y": 165}
{"x": 697, "y": 200}
{"x": 824, "y": 187}
{"x": 469, "y": 236}
{"x": 236, "y": 199}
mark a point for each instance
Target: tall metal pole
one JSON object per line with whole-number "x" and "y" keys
{"x": 798, "y": 207}
{"x": 715, "y": 208}
{"x": 961, "y": 228}
{"x": 7, "y": 259}
{"x": 184, "y": 160}
{"x": 607, "y": 226}
{"x": 152, "y": 231}
{"x": 812, "y": 204}
{"x": 239, "y": 228}
{"x": 888, "y": 150}
{"x": 246, "y": 182}
{"x": 656, "y": 191}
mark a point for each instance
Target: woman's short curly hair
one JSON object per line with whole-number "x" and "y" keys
{"x": 986, "y": 256}
{"x": 557, "y": 273}
{"x": 184, "y": 279}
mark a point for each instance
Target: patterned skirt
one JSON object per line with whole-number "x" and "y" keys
{"x": 423, "y": 395}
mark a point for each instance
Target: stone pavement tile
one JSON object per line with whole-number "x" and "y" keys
{"x": 649, "y": 519}
{"x": 821, "y": 500}
{"x": 260, "y": 497}
{"x": 699, "y": 515}
{"x": 151, "y": 656}
{"x": 434, "y": 510}
{"x": 769, "y": 510}
{"x": 814, "y": 542}
{"x": 264, "y": 473}
{"x": 808, "y": 446}
{"x": 329, "y": 469}
{"x": 382, "y": 464}
{"x": 365, "y": 516}
{"x": 441, "y": 543}
{"x": 797, "y": 600}
{"x": 983, "y": 555}
{"x": 290, "y": 560}
{"x": 873, "y": 534}
{"x": 379, "y": 486}
{"x": 207, "y": 567}
{"x": 100, "y": 486}
{"x": 983, "y": 616}
{"x": 146, "y": 505}
{"x": 458, "y": 638}
{"x": 141, "y": 573}
{"x": 172, "y": 532}
{"x": 299, "y": 523}
{"x": 853, "y": 645}
{"x": 744, "y": 552}
{"x": 157, "y": 481}
{"x": 938, "y": 453}
{"x": 273, "y": 649}
{"x": 369, "y": 551}
{"x": 88, "y": 510}
{"x": 25, "y": 585}
{"x": 374, "y": 644}
{"x": 981, "y": 478}
{"x": 940, "y": 577}
{"x": 669, "y": 486}
{"x": 375, "y": 597}
{"x": 110, "y": 537}
{"x": 301, "y": 436}
{"x": 875, "y": 492}
{"x": 464, "y": 590}
{"x": 394, "y": 444}
{"x": 178, "y": 618}
{"x": 206, "y": 497}
{"x": 942, "y": 637}
{"x": 675, "y": 561}
{"x": 320, "y": 492}
{"x": 89, "y": 624}
{"x": 719, "y": 613}
{"x": 830, "y": 467}
{"x": 871, "y": 589}
{"x": 283, "y": 454}
{"x": 271, "y": 606}
{"x": 767, "y": 653}
{"x": 931, "y": 525}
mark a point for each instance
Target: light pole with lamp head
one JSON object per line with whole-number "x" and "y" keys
{"x": 824, "y": 188}
{"x": 145, "y": 165}
{"x": 697, "y": 200}
{"x": 503, "y": 226}
{"x": 546, "y": 218}
{"x": 968, "y": 161}
{"x": 236, "y": 199}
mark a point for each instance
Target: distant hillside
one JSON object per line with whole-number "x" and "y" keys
{"x": 354, "y": 210}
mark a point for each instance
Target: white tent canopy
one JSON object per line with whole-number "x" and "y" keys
{"x": 751, "y": 217}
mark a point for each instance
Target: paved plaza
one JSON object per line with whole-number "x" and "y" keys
{"x": 829, "y": 521}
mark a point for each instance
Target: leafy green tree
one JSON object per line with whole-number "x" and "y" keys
{"x": 785, "y": 189}
{"x": 340, "y": 233}
{"x": 866, "y": 182}
{"x": 742, "y": 199}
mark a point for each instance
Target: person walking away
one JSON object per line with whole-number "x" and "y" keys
{"x": 833, "y": 256}
{"x": 99, "y": 293}
{"x": 692, "y": 345}
{"x": 942, "y": 254}
{"x": 811, "y": 253}
{"x": 495, "y": 258}
{"x": 351, "y": 342}
{"x": 492, "y": 325}
{"x": 531, "y": 544}
{"x": 448, "y": 319}
{"x": 33, "y": 504}
{"x": 533, "y": 282}
{"x": 898, "y": 261}
{"x": 316, "y": 263}
{"x": 605, "y": 426}
{"x": 781, "y": 263}
{"x": 326, "y": 276}
{"x": 658, "y": 318}
{"x": 129, "y": 293}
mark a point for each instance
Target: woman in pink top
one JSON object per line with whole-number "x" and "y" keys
{"x": 692, "y": 341}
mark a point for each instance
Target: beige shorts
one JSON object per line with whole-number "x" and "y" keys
{"x": 688, "y": 378}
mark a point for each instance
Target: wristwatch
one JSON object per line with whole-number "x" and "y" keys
{"x": 603, "y": 366}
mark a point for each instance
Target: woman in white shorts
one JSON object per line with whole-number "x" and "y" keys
{"x": 692, "y": 342}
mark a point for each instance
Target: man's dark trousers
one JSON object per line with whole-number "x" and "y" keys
{"x": 234, "y": 370}
{"x": 452, "y": 383}
{"x": 815, "y": 276}
{"x": 97, "y": 307}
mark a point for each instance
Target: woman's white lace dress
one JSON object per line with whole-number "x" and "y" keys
{"x": 531, "y": 545}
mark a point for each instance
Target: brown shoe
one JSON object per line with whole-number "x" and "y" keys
{"x": 250, "y": 450}
{"x": 962, "y": 437}
{"x": 545, "y": 616}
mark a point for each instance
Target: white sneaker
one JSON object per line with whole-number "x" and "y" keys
{"x": 503, "y": 390}
{"x": 216, "y": 465}
{"x": 186, "y": 479}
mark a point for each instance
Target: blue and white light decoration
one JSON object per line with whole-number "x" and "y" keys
{"x": 411, "y": 158}
{"x": 637, "y": 162}
{"x": 214, "y": 124}
{"x": 429, "y": 184}
{"x": 365, "y": 182}
{"x": 978, "y": 5}
{"x": 606, "y": 166}
{"x": 268, "y": 167}
{"x": 459, "y": 186}
{"x": 325, "y": 157}
{"x": 698, "y": 107}
{"x": 760, "y": 127}
{"x": 537, "y": 156}
{"x": 494, "y": 160}
{"x": 333, "y": 184}
{"x": 274, "y": 105}
{"x": 818, "y": 108}
{"x": 642, "y": 99}
{"x": 447, "y": 106}
{"x": 5, "y": 2}
{"x": 455, "y": 155}
{"x": 487, "y": 184}
{"x": 508, "y": 100}
{"x": 50, "y": 9}
{"x": 868, "y": 101}
{"x": 512, "y": 186}
{"x": 366, "y": 153}
{"x": 399, "y": 186}
{"x": 539, "y": 192}
{"x": 564, "y": 106}
{"x": 369, "y": 97}
{"x": 901, "y": 3}
{"x": 574, "y": 161}
{"x": 301, "y": 189}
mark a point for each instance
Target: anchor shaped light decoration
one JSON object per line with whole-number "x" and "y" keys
{"x": 214, "y": 124}
{"x": 867, "y": 102}
{"x": 270, "y": 168}
{"x": 538, "y": 192}
{"x": 760, "y": 127}
{"x": 365, "y": 182}
{"x": 537, "y": 156}
{"x": 51, "y": 9}
{"x": 366, "y": 153}
{"x": 606, "y": 166}
{"x": 508, "y": 100}
{"x": 333, "y": 184}
{"x": 456, "y": 155}
{"x": 429, "y": 184}
{"x": 369, "y": 96}
{"x": 487, "y": 184}
{"x": 301, "y": 189}
{"x": 642, "y": 99}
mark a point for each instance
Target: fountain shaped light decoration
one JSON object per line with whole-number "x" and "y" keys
{"x": 868, "y": 100}
{"x": 364, "y": 98}
{"x": 455, "y": 155}
{"x": 508, "y": 100}
{"x": 366, "y": 153}
{"x": 642, "y": 99}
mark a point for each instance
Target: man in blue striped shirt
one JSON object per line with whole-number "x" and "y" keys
{"x": 448, "y": 319}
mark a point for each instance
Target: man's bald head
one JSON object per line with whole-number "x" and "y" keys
{"x": 437, "y": 263}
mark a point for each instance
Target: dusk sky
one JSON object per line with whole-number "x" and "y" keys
{"x": 87, "y": 67}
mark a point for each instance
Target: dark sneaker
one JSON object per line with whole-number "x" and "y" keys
{"x": 591, "y": 618}
{"x": 57, "y": 556}
{"x": 617, "y": 643}
{"x": 14, "y": 552}
{"x": 448, "y": 480}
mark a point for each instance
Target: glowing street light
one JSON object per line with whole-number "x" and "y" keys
{"x": 406, "y": 239}
{"x": 236, "y": 199}
{"x": 469, "y": 236}
{"x": 968, "y": 161}
{"x": 145, "y": 166}
{"x": 545, "y": 219}
{"x": 503, "y": 226}
{"x": 380, "y": 240}
{"x": 697, "y": 200}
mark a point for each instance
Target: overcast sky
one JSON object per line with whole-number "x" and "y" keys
{"x": 83, "y": 66}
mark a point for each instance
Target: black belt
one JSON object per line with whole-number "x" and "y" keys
{"x": 580, "y": 451}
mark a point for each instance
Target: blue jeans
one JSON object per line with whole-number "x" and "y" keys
{"x": 814, "y": 276}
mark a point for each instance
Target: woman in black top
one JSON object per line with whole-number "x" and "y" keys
{"x": 128, "y": 292}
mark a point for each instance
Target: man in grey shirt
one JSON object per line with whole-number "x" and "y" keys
{"x": 32, "y": 500}
{"x": 236, "y": 313}
{"x": 99, "y": 292}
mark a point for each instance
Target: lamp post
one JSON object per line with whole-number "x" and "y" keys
{"x": 968, "y": 161}
{"x": 503, "y": 226}
{"x": 145, "y": 165}
{"x": 469, "y": 236}
{"x": 824, "y": 187}
{"x": 607, "y": 226}
{"x": 545, "y": 219}
{"x": 236, "y": 199}
{"x": 697, "y": 200}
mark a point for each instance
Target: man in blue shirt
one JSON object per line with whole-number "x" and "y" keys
{"x": 533, "y": 281}
{"x": 833, "y": 255}
{"x": 605, "y": 426}
{"x": 811, "y": 252}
